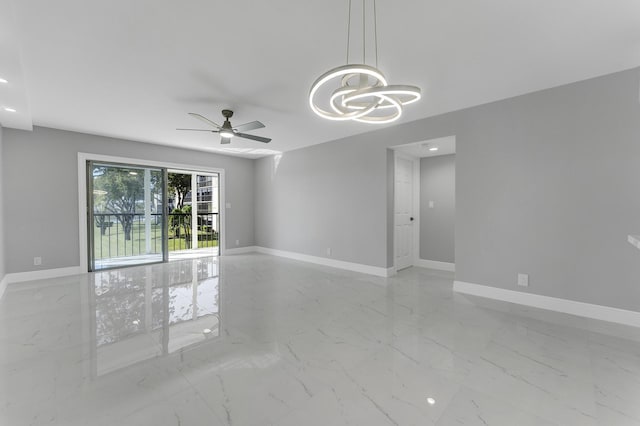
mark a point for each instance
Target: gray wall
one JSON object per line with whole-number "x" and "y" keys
{"x": 546, "y": 184}
{"x": 311, "y": 199}
{"x": 437, "y": 224}
{"x": 2, "y": 239}
{"x": 40, "y": 171}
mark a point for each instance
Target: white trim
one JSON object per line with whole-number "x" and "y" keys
{"x": 222, "y": 210}
{"x": 83, "y": 157}
{"x": 416, "y": 210}
{"x": 356, "y": 267}
{"x": 18, "y": 277}
{"x": 241, "y": 250}
{"x": 3, "y": 285}
{"x": 333, "y": 263}
{"x": 194, "y": 211}
{"x": 435, "y": 264}
{"x": 83, "y": 211}
{"x": 588, "y": 310}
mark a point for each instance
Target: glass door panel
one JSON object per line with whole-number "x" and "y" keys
{"x": 194, "y": 214}
{"x": 126, "y": 213}
{"x": 207, "y": 212}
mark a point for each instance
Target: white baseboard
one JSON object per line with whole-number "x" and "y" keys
{"x": 434, "y": 264}
{"x": 75, "y": 270}
{"x": 18, "y": 277}
{"x": 3, "y": 285}
{"x": 588, "y": 310}
{"x": 240, "y": 250}
{"x": 356, "y": 267}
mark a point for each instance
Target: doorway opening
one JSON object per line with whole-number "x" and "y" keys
{"x": 424, "y": 204}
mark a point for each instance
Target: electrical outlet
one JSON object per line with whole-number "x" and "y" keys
{"x": 328, "y": 251}
{"x": 37, "y": 261}
{"x": 523, "y": 280}
{"x": 237, "y": 242}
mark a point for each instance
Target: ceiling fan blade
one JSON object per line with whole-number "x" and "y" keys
{"x": 253, "y": 137}
{"x": 249, "y": 126}
{"x": 201, "y": 130}
{"x": 205, "y": 119}
{"x": 225, "y": 140}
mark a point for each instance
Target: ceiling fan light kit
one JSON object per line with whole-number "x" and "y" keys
{"x": 226, "y": 131}
{"x": 363, "y": 92}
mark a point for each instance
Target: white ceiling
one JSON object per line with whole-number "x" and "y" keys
{"x": 133, "y": 69}
{"x": 13, "y": 94}
{"x": 445, "y": 146}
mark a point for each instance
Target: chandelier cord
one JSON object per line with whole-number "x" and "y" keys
{"x": 348, "y": 31}
{"x": 375, "y": 30}
{"x": 364, "y": 33}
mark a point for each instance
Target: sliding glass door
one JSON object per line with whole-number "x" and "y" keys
{"x": 127, "y": 215}
{"x": 140, "y": 214}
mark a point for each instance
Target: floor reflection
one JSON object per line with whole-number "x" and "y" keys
{"x": 142, "y": 313}
{"x": 300, "y": 344}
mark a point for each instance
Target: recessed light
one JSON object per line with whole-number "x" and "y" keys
{"x": 136, "y": 322}
{"x": 431, "y": 401}
{"x": 207, "y": 331}
{"x": 3, "y": 81}
{"x": 9, "y": 109}
{"x": 433, "y": 148}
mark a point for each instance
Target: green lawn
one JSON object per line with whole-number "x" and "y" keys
{"x": 113, "y": 244}
{"x": 180, "y": 243}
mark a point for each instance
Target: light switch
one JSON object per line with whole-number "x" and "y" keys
{"x": 431, "y": 204}
{"x": 228, "y": 205}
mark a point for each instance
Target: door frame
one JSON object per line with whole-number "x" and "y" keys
{"x": 83, "y": 157}
{"x": 415, "y": 203}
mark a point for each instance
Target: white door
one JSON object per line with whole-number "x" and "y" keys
{"x": 403, "y": 212}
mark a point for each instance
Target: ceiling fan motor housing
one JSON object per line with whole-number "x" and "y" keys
{"x": 227, "y": 113}
{"x": 226, "y": 125}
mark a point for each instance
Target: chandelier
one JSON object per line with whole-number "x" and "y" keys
{"x": 363, "y": 93}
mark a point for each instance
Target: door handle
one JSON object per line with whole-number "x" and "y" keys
{"x": 411, "y": 219}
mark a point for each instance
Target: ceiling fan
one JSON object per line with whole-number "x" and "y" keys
{"x": 227, "y": 131}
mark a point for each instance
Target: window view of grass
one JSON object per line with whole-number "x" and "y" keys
{"x": 114, "y": 244}
{"x": 128, "y": 202}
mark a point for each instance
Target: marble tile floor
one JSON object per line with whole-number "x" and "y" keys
{"x": 259, "y": 340}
